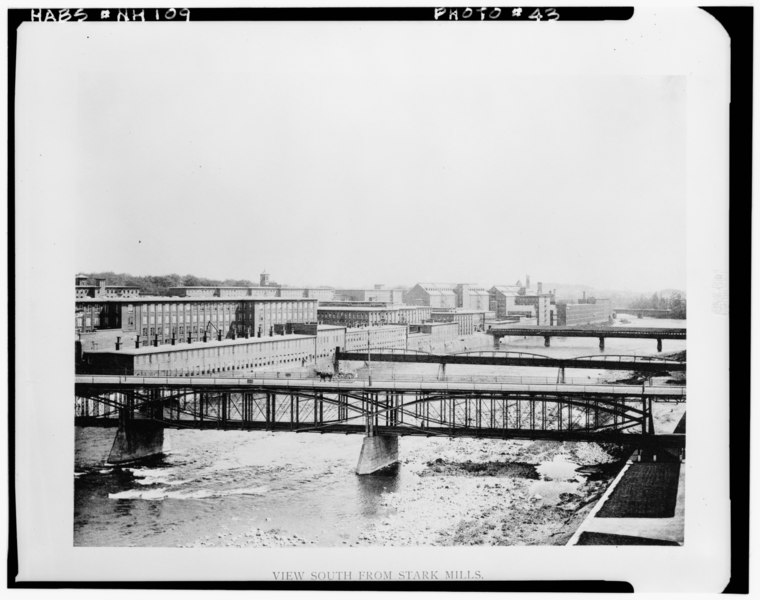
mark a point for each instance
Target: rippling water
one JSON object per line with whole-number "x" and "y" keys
{"x": 229, "y": 488}
{"x": 271, "y": 489}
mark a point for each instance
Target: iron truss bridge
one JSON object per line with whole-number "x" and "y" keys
{"x": 602, "y": 413}
{"x": 619, "y": 362}
{"x": 654, "y": 333}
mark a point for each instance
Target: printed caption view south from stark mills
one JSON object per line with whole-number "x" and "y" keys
{"x": 234, "y": 413}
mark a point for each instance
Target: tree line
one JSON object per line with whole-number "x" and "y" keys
{"x": 158, "y": 285}
{"x": 674, "y": 301}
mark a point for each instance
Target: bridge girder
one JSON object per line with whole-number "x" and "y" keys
{"x": 439, "y": 412}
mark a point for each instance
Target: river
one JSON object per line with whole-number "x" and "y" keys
{"x": 235, "y": 488}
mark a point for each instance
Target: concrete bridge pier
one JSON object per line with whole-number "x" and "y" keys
{"x": 659, "y": 345}
{"x": 378, "y": 452}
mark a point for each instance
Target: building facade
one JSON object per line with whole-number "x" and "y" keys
{"x": 364, "y": 314}
{"x": 502, "y": 299}
{"x": 584, "y": 313}
{"x": 101, "y": 290}
{"x": 165, "y": 318}
{"x": 209, "y": 358}
{"x": 468, "y": 322}
{"x": 376, "y": 338}
{"x": 199, "y": 291}
{"x": 393, "y": 296}
{"x": 437, "y": 333}
{"x": 434, "y": 295}
{"x": 472, "y": 297}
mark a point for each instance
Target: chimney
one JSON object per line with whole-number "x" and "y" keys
{"x": 527, "y": 282}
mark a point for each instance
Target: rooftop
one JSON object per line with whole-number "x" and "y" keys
{"x": 324, "y": 308}
{"x": 200, "y": 345}
{"x": 139, "y": 299}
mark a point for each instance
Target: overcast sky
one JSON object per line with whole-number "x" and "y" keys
{"x": 352, "y": 154}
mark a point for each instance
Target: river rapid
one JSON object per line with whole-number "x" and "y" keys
{"x": 241, "y": 489}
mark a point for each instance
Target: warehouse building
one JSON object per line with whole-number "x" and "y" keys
{"x": 377, "y": 294}
{"x": 363, "y": 314}
{"x": 321, "y": 294}
{"x": 376, "y": 338}
{"x": 328, "y": 337}
{"x": 101, "y": 290}
{"x": 164, "y": 318}
{"x": 502, "y": 299}
{"x": 229, "y": 357}
{"x": 428, "y": 336}
{"x": 467, "y": 321}
{"x": 472, "y": 297}
{"x": 468, "y": 296}
{"x": 94, "y": 315}
{"x": 434, "y": 295}
{"x": 594, "y": 310}
{"x": 200, "y": 291}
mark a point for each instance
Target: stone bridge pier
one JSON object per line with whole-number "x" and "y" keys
{"x": 138, "y": 436}
{"x": 378, "y": 452}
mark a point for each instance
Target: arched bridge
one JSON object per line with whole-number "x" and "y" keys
{"x": 618, "y": 362}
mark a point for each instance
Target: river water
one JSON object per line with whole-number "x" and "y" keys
{"x": 234, "y": 488}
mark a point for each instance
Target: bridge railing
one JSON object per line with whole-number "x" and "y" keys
{"x": 363, "y": 377}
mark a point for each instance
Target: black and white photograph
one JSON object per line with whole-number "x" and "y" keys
{"x": 366, "y": 296}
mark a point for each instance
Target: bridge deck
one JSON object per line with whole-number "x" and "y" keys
{"x": 664, "y": 333}
{"x": 611, "y": 363}
{"x": 239, "y": 383}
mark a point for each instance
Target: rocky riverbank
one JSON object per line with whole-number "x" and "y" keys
{"x": 466, "y": 492}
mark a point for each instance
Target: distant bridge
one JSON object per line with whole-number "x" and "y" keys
{"x": 144, "y": 405}
{"x": 644, "y": 312}
{"x": 616, "y": 362}
{"x": 654, "y": 333}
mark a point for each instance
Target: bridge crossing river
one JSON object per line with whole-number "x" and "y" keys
{"x": 559, "y": 411}
{"x": 655, "y": 333}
